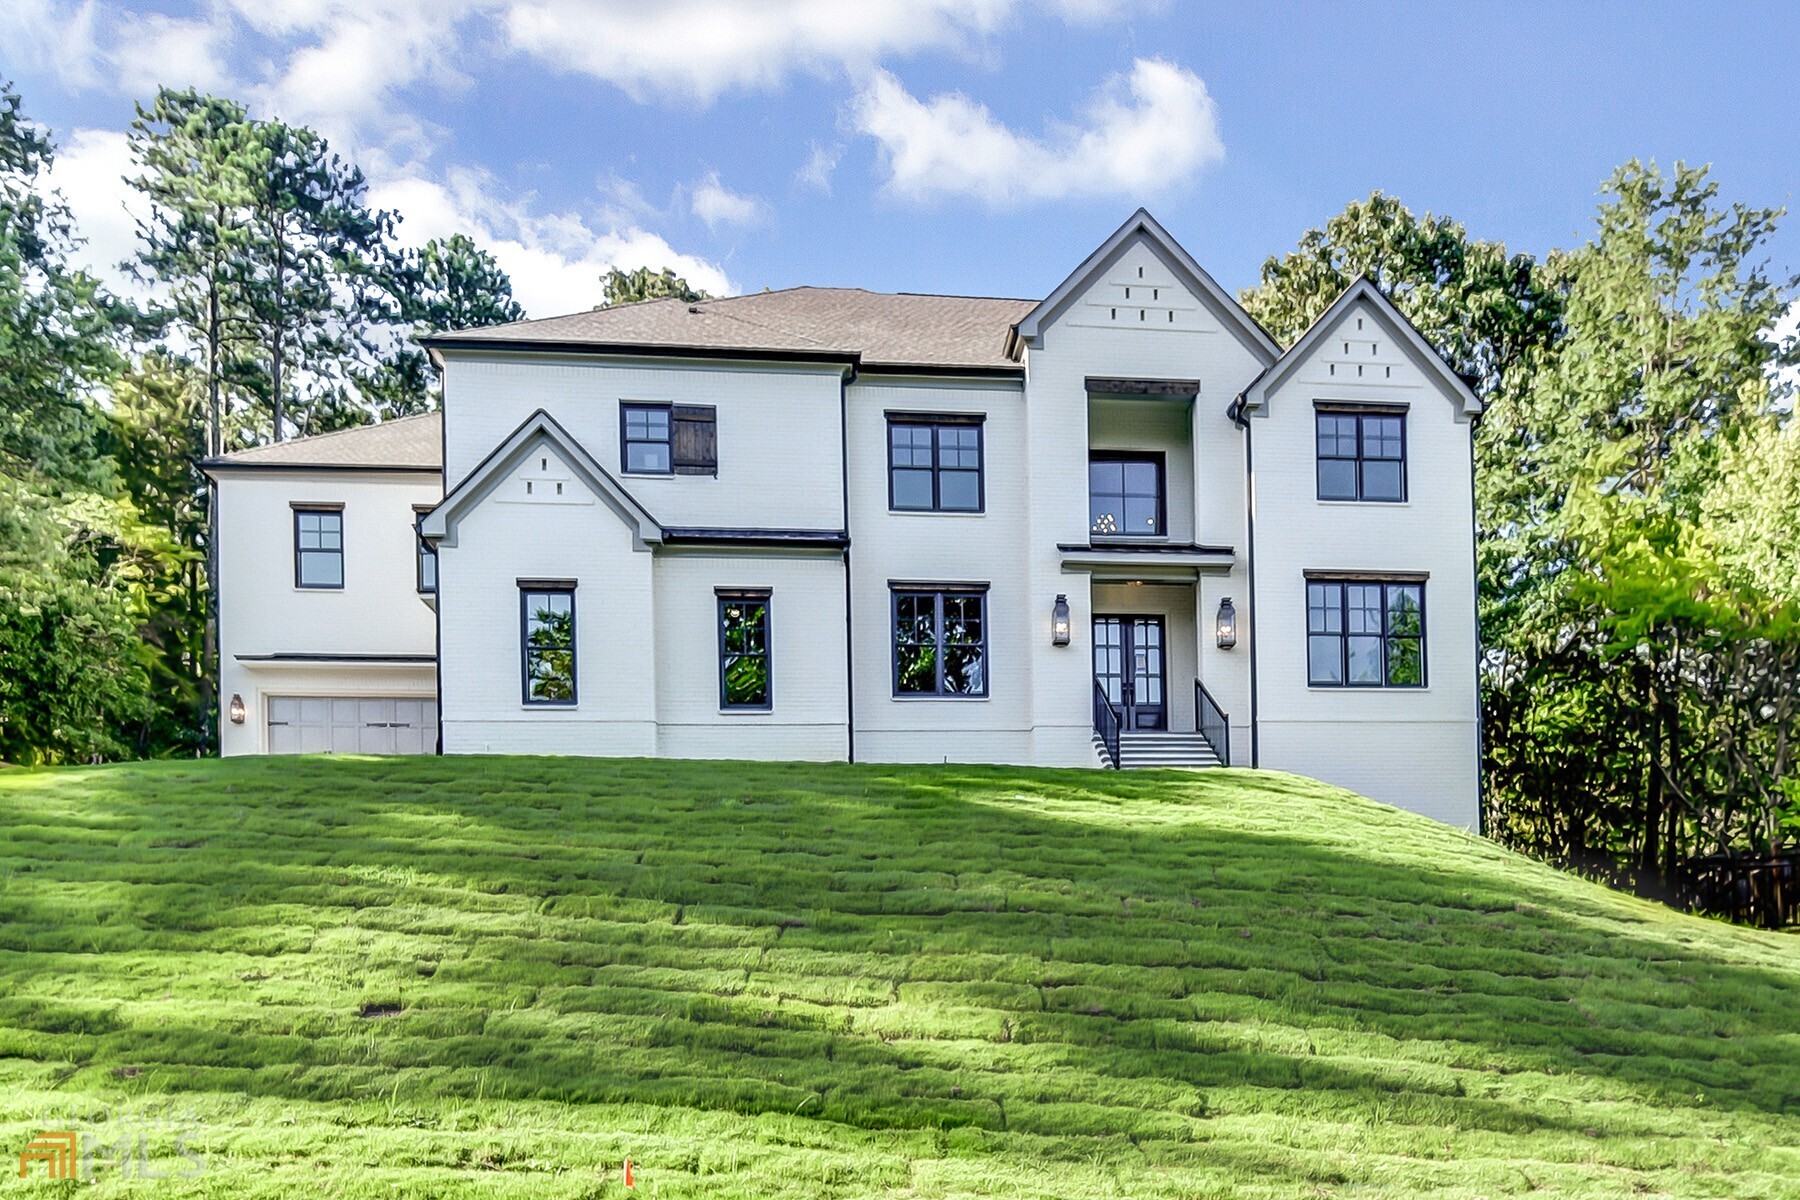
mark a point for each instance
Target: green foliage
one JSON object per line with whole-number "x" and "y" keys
{"x": 446, "y": 286}
{"x": 630, "y": 287}
{"x": 500, "y": 977}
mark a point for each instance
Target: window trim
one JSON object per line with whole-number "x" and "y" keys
{"x": 1360, "y": 411}
{"x": 765, "y": 597}
{"x": 898, "y": 588}
{"x": 528, "y": 587}
{"x": 424, "y": 549}
{"x": 937, "y": 420}
{"x": 626, "y": 442}
{"x": 1385, "y": 580}
{"x": 319, "y": 508}
{"x": 1161, "y": 460}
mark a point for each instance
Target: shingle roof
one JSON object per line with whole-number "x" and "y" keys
{"x": 903, "y": 330}
{"x": 408, "y": 443}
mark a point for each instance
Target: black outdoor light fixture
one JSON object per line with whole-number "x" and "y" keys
{"x": 1059, "y": 622}
{"x": 1227, "y": 624}
{"x": 237, "y": 709}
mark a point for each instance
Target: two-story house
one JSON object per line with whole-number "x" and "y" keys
{"x": 1116, "y": 526}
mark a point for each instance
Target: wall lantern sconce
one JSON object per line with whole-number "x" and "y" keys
{"x": 237, "y": 709}
{"x": 1059, "y": 622}
{"x": 1227, "y": 624}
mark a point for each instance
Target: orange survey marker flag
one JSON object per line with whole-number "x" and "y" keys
{"x": 630, "y": 1179}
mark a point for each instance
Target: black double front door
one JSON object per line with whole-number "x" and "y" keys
{"x": 1128, "y": 666}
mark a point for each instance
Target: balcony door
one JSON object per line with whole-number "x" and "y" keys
{"x": 1128, "y": 666}
{"x": 1125, "y": 495}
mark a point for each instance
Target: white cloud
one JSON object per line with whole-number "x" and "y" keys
{"x": 153, "y": 50}
{"x": 816, "y": 172}
{"x": 695, "y": 50}
{"x": 555, "y": 259}
{"x": 718, "y": 205}
{"x": 1141, "y": 133}
{"x": 90, "y": 170}
{"x": 51, "y": 34}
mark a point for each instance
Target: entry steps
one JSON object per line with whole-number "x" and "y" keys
{"x": 1146, "y": 748}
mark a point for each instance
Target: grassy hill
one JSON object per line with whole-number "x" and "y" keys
{"x": 500, "y": 977}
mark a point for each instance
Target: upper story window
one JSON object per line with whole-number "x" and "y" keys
{"x": 934, "y": 464}
{"x": 427, "y": 566}
{"x": 669, "y": 439}
{"x": 1365, "y": 633}
{"x": 1125, "y": 495}
{"x": 319, "y": 545}
{"x": 940, "y": 641}
{"x": 547, "y": 641}
{"x": 1362, "y": 454}
{"x": 744, "y": 650}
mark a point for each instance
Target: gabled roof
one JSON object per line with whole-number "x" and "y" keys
{"x": 1363, "y": 290}
{"x": 403, "y": 444}
{"x": 538, "y": 429}
{"x": 1142, "y": 223}
{"x": 815, "y": 324}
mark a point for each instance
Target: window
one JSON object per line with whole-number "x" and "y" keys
{"x": 427, "y": 567}
{"x": 934, "y": 464}
{"x": 940, "y": 642}
{"x": 669, "y": 439}
{"x": 1125, "y": 495}
{"x": 1362, "y": 455}
{"x": 744, "y": 650}
{"x": 1365, "y": 633}
{"x": 547, "y": 637}
{"x": 645, "y": 446}
{"x": 319, "y": 547}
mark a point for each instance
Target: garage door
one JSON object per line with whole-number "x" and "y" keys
{"x": 351, "y": 725}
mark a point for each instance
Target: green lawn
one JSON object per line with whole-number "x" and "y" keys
{"x": 500, "y": 977}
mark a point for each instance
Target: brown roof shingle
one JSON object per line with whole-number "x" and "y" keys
{"x": 407, "y": 443}
{"x": 901, "y": 330}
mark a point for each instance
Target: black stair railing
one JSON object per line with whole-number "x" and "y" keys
{"x": 1107, "y": 723}
{"x": 1212, "y": 724}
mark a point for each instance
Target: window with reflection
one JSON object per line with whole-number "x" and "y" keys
{"x": 940, "y": 642}
{"x": 1365, "y": 633}
{"x": 744, "y": 650}
{"x": 547, "y": 634}
{"x": 1125, "y": 496}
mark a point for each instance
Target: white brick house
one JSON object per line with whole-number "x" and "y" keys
{"x": 828, "y": 524}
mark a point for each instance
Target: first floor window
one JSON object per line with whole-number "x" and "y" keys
{"x": 940, "y": 642}
{"x": 547, "y": 631}
{"x": 1365, "y": 633}
{"x": 744, "y": 650}
{"x": 319, "y": 547}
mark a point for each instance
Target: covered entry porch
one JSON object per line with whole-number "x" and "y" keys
{"x": 1146, "y": 633}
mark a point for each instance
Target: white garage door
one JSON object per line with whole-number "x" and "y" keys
{"x": 351, "y": 725}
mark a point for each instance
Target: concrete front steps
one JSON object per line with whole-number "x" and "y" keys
{"x": 1143, "y": 748}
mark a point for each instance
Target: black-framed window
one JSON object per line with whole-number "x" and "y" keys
{"x": 745, "y": 681}
{"x": 669, "y": 439}
{"x": 1362, "y": 454}
{"x": 940, "y": 641}
{"x": 1125, "y": 495}
{"x": 318, "y": 547}
{"x": 644, "y": 439}
{"x": 1365, "y": 633}
{"x": 934, "y": 464}
{"x": 547, "y": 642}
{"x": 427, "y": 565}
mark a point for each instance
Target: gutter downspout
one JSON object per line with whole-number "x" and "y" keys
{"x": 1475, "y": 577}
{"x": 1236, "y": 413}
{"x": 848, "y": 378}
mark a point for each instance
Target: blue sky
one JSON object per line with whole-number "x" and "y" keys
{"x": 970, "y": 146}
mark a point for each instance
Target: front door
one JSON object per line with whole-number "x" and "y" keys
{"x": 1128, "y": 665}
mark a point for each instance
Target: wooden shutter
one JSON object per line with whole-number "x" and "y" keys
{"x": 694, "y": 439}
